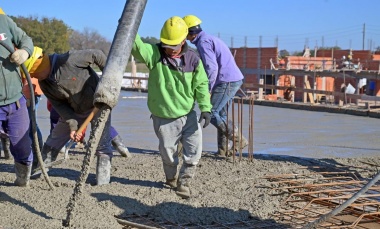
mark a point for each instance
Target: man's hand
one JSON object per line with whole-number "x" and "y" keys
{"x": 206, "y": 116}
{"x": 19, "y": 56}
{"x": 76, "y": 136}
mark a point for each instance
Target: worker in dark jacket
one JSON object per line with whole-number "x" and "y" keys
{"x": 69, "y": 82}
{"x": 14, "y": 118}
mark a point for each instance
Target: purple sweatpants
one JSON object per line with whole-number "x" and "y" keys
{"x": 15, "y": 125}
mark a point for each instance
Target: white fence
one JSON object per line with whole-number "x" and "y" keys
{"x": 129, "y": 81}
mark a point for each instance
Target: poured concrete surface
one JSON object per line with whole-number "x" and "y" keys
{"x": 222, "y": 191}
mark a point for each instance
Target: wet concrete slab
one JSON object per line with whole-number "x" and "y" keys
{"x": 277, "y": 130}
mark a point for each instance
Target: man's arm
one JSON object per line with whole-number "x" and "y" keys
{"x": 88, "y": 57}
{"x": 201, "y": 85}
{"x": 66, "y": 112}
{"x": 145, "y": 52}
{"x": 20, "y": 39}
{"x": 210, "y": 63}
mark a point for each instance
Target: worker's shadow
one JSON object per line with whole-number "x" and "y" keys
{"x": 6, "y": 198}
{"x": 7, "y": 168}
{"x": 142, "y": 151}
{"x": 178, "y": 215}
{"x": 91, "y": 179}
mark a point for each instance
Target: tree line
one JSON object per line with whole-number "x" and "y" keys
{"x": 55, "y": 36}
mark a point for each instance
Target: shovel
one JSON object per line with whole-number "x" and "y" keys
{"x": 69, "y": 144}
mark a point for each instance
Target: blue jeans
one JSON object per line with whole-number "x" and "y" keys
{"x": 221, "y": 96}
{"x": 37, "y": 99}
{"x": 14, "y": 123}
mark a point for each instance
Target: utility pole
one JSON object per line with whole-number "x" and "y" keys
{"x": 232, "y": 42}
{"x": 276, "y": 42}
{"x": 363, "y": 35}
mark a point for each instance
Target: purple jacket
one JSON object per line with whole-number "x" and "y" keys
{"x": 217, "y": 59}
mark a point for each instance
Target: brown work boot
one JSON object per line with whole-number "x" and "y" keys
{"x": 172, "y": 183}
{"x": 183, "y": 191}
{"x": 180, "y": 149}
{"x": 223, "y": 144}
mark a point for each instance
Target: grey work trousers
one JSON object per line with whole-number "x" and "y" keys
{"x": 60, "y": 135}
{"x": 186, "y": 130}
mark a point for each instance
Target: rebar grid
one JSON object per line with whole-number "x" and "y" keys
{"x": 315, "y": 194}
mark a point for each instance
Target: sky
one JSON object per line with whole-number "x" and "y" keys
{"x": 287, "y": 24}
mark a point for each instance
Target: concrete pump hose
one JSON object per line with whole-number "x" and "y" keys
{"x": 33, "y": 118}
{"x": 108, "y": 90}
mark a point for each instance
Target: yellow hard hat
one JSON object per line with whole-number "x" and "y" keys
{"x": 37, "y": 53}
{"x": 174, "y": 31}
{"x": 192, "y": 21}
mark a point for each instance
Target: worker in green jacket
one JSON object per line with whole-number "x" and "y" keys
{"x": 177, "y": 80}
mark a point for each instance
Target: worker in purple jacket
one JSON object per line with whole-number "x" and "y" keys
{"x": 225, "y": 79}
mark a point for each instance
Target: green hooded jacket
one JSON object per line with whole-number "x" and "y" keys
{"x": 174, "y": 84}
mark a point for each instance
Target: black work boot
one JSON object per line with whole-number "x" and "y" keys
{"x": 6, "y": 143}
{"x": 118, "y": 144}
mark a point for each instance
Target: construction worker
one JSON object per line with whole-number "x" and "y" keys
{"x": 176, "y": 81}
{"x": 14, "y": 119}
{"x": 69, "y": 82}
{"x": 117, "y": 141}
{"x": 225, "y": 79}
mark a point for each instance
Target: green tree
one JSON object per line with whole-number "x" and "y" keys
{"x": 52, "y": 35}
{"x": 329, "y": 48}
{"x": 283, "y": 53}
{"x": 150, "y": 40}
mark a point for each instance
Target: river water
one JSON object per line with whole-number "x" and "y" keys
{"x": 276, "y": 131}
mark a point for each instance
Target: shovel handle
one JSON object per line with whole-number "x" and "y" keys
{"x": 88, "y": 120}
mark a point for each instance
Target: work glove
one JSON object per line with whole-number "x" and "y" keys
{"x": 207, "y": 117}
{"x": 19, "y": 56}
